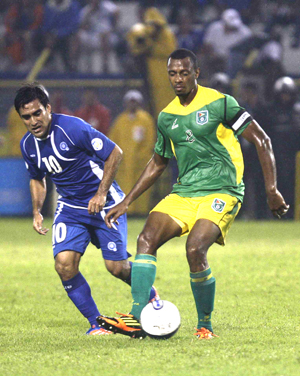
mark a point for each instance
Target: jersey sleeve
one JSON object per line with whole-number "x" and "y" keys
{"x": 85, "y": 137}
{"x": 163, "y": 144}
{"x": 33, "y": 170}
{"x": 235, "y": 116}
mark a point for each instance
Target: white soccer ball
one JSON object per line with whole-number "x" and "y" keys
{"x": 160, "y": 319}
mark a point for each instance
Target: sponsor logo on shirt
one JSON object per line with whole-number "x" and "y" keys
{"x": 218, "y": 205}
{"x": 97, "y": 144}
{"x": 201, "y": 117}
{"x": 112, "y": 246}
{"x": 63, "y": 146}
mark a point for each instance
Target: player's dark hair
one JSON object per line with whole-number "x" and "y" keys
{"x": 28, "y": 93}
{"x": 182, "y": 53}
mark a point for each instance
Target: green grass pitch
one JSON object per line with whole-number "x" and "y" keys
{"x": 257, "y": 308}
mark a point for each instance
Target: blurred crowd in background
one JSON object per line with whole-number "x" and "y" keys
{"x": 247, "y": 48}
{"x": 77, "y": 30}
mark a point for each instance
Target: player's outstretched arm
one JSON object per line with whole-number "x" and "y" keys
{"x": 256, "y": 135}
{"x": 151, "y": 173}
{"x": 38, "y": 192}
{"x": 96, "y": 203}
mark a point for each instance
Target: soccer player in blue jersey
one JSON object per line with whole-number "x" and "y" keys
{"x": 82, "y": 164}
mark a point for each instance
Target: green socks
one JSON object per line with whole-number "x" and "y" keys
{"x": 142, "y": 279}
{"x": 203, "y": 286}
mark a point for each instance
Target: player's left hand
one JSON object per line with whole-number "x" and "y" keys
{"x": 96, "y": 204}
{"x": 277, "y": 204}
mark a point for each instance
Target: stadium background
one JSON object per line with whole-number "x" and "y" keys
{"x": 112, "y": 83}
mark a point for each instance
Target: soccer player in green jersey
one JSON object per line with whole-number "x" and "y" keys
{"x": 200, "y": 128}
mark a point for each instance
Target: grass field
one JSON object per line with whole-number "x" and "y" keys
{"x": 256, "y": 309}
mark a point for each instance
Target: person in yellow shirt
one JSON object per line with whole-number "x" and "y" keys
{"x": 134, "y": 131}
{"x": 151, "y": 42}
{"x": 15, "y": 131}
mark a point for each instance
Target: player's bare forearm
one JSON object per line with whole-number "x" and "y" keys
{"x": 111, "y": 166}
{"x": 38, "y": 192}
{"x": 255, "y": 134}
{"x": 151, "y": 173}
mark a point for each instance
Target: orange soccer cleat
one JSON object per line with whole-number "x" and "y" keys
{"x": 126, "y": 324}
{"x": 204, "y": 333}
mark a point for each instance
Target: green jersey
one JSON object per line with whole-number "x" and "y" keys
{"x": 203, "y": 138}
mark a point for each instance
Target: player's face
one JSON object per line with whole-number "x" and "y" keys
{"x": 182, "y": 75}
{"x": 36, "y": 118}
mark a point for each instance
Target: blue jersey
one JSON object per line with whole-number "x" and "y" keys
{"x": 73, "y": 156}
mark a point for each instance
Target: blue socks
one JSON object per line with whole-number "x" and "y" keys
{"x": 79, "y": 292}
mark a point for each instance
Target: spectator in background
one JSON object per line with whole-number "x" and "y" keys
{"x": 150, "y": 43}
{"x": 221, "y": 82}
{"x": 93, "y": 112}
{"x": 262, "y": 55}
{"x": 296, "y": 32}
{"x": 219, "y": 38}
{"x": 98, "y": 32}
{"x": 22, "y": 20}
{"x": 3, "y": 8}
{"x": 187, "y": 36}
{"x": 60, "y": 25}
{"x": 175, "y": 7}
{"x": 15, "y": 132}
{"x": 134, "y": 132}
{"x": 58, "y": 103}
{"x": 284, "y": 130}
{"x": 269, "y": 61}
{"x": 285, "y": 13}
{"x": 248, "y": 9}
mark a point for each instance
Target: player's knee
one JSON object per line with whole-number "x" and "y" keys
{"x": 147, "y": 243}
{"x": 116, "y": 271}
{"x": 119, "y": 269}
{"x": 65, "y": 270}
{"x": 196, "y": 251}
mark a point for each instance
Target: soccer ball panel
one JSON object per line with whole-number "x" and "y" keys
{"x": 160, "y": 319}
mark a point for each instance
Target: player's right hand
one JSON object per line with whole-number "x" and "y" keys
{"x": 114, "y": 213}
{"x": 38, "y": 224}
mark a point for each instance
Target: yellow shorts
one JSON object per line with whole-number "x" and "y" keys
{"x": 220, "y": 209}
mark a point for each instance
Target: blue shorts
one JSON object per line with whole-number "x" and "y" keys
{"x": 73, "y": 229}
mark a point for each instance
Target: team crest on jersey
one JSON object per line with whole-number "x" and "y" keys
{"x": 218, "y": 205}
{"x": 63, "y": 146}
{"x": 202, "y": 117}
{"x": 97, "y": 143}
